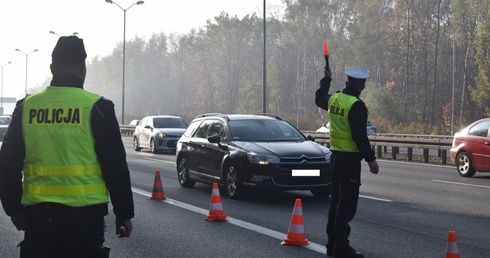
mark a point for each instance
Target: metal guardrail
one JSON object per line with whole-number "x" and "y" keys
{"x": 127, "y": 130}
{"x": 382, "y": 143}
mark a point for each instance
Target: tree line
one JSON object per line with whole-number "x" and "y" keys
{"x": 428, "y": 62}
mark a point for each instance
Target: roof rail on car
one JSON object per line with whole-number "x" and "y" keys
{"x": 269, "y": 115}
{"x": 212, "y": 114}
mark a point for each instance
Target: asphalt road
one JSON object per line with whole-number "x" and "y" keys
{"x": 406, "y": 210}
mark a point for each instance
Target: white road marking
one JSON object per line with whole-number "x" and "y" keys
{"x": 161, "y": 160}
{"x": 261, "y": 230}
{"x": 457, "y": 183}
{"x": 374, "y": 198}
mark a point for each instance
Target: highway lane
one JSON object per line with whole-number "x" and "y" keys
{"x": 407, "y": 208}
{"x": 405, "y": 211}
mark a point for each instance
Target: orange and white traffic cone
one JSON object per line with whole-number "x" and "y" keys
{"x": 216, "y": 212}
{"x": 158, "y": 193}
{"x": 296, "y": 233}
{"x": 452, "y": 247}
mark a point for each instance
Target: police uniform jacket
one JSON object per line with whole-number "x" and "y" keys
{"x": 357, "y": 117}
{"x": 108, "y": 147}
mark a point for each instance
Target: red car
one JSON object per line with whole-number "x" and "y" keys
{"x": 471, "y": 148}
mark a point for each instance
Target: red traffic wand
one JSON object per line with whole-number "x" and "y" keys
{"x": 325, "y": 53}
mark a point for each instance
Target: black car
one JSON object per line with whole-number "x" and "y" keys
{"x": 243, "y": 151}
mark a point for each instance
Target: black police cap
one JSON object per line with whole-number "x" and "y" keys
{"x": 69, "y": 50}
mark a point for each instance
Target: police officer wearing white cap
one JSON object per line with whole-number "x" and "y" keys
{"x": 349, "y": 144}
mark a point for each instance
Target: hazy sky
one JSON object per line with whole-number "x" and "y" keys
{"x": 25, "y": 25}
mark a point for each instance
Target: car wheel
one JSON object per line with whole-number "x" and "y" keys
{"x": 183, "y": 173}
{"x": 233, "y": 187}
{"x": 321, "y": 192}
{"x": 464, "y": 166}
{"x": 153, "y": 149}
{"x": 136, "y": 144}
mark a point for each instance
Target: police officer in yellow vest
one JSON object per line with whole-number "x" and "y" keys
{"x": 67, "y": 142}
{"x": 349, "y": 144}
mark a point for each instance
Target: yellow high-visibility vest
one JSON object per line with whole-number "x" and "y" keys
{"x": 61, "y": 165}
{"x": 339, "y": 106}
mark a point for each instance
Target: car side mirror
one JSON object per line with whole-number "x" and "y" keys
{"x": 216, "y": 139}
{"x": 311, "y": 137}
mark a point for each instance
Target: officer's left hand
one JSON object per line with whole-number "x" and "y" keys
{"x": 19, "y": 221}
{"x": 373, "y": 167}
{"x": 124, "y": 228}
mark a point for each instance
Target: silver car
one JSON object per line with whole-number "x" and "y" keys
{"x": 4, "y": 124}
{"x": 326, "y": 128}
{"x": 158, "y": 133}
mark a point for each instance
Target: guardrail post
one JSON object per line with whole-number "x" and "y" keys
{"x": 426, "y": 155}
{"x": 409, "y": 154}
{"x": 379, "y": 151}
{"x": 394, "y": 151}
{"x": 443, "y": 157}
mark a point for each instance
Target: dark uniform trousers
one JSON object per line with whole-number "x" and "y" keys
{"x": 346, "y": 181}
{"x": 58, "y": 231}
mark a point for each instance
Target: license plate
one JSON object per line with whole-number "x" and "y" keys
{"x": 306, "y": 172}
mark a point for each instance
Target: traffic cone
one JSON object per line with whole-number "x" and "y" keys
{"x": 296, "y": 233}
{"x": 216, "y": 212}
{"x": 452, "y": 247}
{"x": 157, "y": 188}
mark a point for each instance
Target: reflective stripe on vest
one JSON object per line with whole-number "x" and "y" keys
{"x": 339, "y": 106}
{"x": 61, "y": 165}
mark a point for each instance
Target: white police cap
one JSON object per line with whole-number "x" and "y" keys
{"x": 357, "y": 73}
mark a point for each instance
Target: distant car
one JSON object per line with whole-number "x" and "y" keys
{"x": 326, "y": 128}
{"x": 244, "y": 151}
{"x": 4, "y": 124}
{"x": 158, "y": 133}
{"x": 134, "y": 122}
{"x": 470, "y": 150}
{"x": 370, "y": 128}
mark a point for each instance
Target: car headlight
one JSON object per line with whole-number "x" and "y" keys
{"x": 262, "y": 159}
{"x": 327, "y": 156}
{"x": 161, "y": 135}
{"x": 327, "y": 153}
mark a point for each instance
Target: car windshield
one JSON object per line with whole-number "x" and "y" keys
{"x": 260, "y": 130}
{"x": 169, "y": 122}
{"x": 5, "y": 120}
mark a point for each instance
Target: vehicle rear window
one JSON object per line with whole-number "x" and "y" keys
{"x": 263, "y": 131}
{"x": 169, "y": 123}
{"x": 5, "y": 120}
{"x": 192, "y": 127}
{"x": 480, "y": 129}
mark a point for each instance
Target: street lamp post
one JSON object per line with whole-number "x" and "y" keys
{"x": 124, "y": 50}
{"x": 452, "y": 94}
{"x": 439, "y": 17}
{"x": 52, "y": 32}
{"x": 1, "y": 90}
{"x": 264, "y": 80}
{"x": 27, "y": 55}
